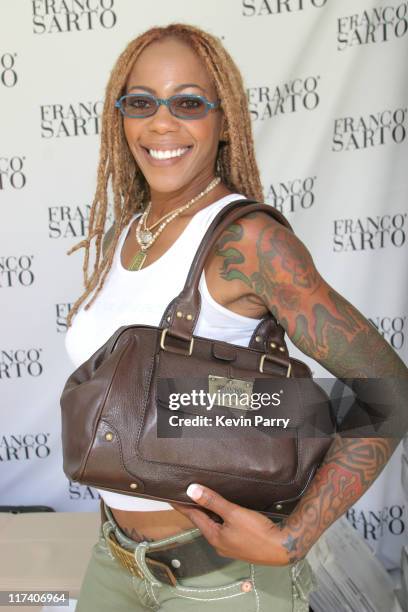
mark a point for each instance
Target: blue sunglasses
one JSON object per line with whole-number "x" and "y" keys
{"x": 182, "y": 106}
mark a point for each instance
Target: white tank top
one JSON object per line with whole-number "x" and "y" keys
{"x": 140, "y": 297}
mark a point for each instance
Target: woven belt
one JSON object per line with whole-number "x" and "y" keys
{"x": 172, "y": 561}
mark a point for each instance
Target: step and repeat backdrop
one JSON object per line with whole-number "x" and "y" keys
{"x": 327, "y": 88}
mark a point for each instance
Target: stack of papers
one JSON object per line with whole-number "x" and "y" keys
{"x": 350, "y": 578}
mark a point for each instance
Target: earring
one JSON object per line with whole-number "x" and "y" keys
{"x": 218, "y": 166}
{"x": 224, "y": 136}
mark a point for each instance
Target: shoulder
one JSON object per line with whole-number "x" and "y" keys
{"x": 265, "y": 241}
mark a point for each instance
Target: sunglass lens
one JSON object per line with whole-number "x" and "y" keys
{"x": 138, "y": 106}
{"x": 188, "y": 107}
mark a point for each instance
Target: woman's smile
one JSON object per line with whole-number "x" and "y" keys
{"x": 167, "y": 156}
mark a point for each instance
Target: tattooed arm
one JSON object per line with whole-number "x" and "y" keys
{"x": 281, "y": 276}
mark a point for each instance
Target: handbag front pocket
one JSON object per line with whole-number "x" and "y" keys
{"x": 222, "y": 440}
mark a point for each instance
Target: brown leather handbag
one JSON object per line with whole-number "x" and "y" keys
{"x": 118, "y": 407}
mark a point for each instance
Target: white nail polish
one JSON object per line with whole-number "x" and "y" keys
{"x": 194, "y": 491}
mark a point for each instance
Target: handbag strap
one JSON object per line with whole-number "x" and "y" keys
{"x": 182, "y": 312}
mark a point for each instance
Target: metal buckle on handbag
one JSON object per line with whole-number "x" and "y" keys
{"x": 162, "y": 345}
{"x": 127, "y": 560}
{"x": 273, "y": 358}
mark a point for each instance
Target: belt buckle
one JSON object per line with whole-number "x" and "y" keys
{"x": 126, "y": 558}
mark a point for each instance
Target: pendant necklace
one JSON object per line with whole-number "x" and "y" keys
{"x": 144, "y": 235}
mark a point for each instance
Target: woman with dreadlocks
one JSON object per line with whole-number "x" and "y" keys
{"x": 177, "y": 146}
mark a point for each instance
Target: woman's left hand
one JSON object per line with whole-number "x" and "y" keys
{"x": 245, "y": 534}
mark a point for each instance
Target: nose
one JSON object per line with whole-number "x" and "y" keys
{"x": 163, "y": 121}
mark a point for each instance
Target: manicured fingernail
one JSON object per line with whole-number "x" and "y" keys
{"x": 194, "y": 491}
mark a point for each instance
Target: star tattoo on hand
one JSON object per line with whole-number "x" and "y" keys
{"x": 291, "y": 543}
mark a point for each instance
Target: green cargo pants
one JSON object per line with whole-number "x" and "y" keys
{"x": 237, "y": 587}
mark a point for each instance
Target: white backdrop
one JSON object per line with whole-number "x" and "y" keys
{"x": 327, "y": 89}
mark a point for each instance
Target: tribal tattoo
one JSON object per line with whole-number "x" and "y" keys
{"x": 326, "y": 327}
{"x": 348, "y": 469}
{"x": 318, "y": 320}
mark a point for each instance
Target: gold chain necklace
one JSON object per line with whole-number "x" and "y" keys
{"x": 144, "y": 236}
{"x": 156, "y": 222}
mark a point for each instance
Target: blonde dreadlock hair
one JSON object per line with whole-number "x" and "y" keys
{"x": 236, "y": 162}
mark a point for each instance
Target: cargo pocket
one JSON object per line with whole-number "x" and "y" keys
{"x": 303, "y": 583}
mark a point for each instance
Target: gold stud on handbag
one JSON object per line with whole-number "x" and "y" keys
{"x": 116, "y": 407}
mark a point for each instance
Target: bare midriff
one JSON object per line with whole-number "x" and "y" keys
{"x": 151, "y": 525}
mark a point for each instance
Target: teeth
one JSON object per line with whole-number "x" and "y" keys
{"x": 167, "y": 154}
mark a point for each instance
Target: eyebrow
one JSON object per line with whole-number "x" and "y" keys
{"x": 178, "y": 88}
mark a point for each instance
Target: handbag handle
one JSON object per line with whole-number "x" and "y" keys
{"x": 180, "y": 317}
